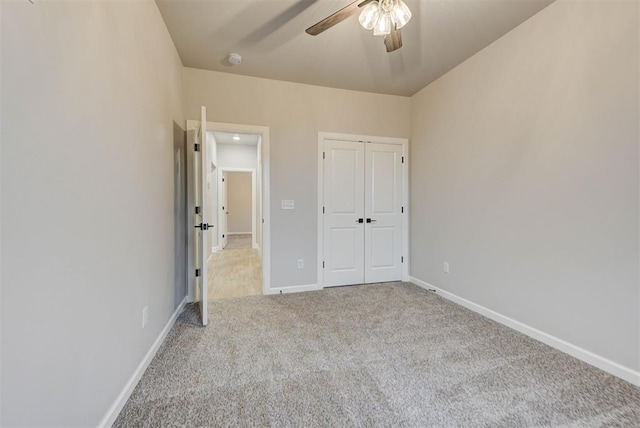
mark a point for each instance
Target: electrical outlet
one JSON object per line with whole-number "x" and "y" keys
{"x": 445, "y": 267}
{"x": 300, "y": 263}
{"x": 145, "y": 316}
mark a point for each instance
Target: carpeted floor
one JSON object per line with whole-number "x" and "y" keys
{"x": 372, "y": 355}
{"x": 235, "y": 242}
{"x": 234, "y": 273}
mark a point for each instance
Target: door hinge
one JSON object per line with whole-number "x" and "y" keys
{"x": 223, "y": 180}
{"x": 402, "y": 159}
{"x": 402, "y": 259}
{"x": 197, "y": 210}
{"x": 223, "y": 235}
{"x": 322, "y": 265}
{"x": 324, "y": 154}
{"x": 198, "y": 272}
{"x": 196, "y": 147}
{"x": 402, "y": 211}
{"x": 322, "y": 210}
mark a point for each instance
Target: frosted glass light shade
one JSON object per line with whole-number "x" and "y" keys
{"x": 369, "y": 15}
{"x": 383, "y": 26}
{"x": 400, "y": 14}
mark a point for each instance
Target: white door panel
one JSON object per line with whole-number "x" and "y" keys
{"x": 383, "y": 254}
{"x": 197, "y": 184}
{"x": 382, "y": 169}
{"x": 344, "y": 206}
{"x": 345, "y": 243}
{"x": 383, "y": 211}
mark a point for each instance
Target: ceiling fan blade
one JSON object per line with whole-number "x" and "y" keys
{"x": 393, "y": 40}
{"x": 337, "y": 17}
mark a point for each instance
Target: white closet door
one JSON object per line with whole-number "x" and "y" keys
{"x": 344, "y": 207}
{"x": 383, "y": 213}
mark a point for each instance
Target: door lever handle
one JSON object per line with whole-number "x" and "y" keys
{"x": 360, "y": 220}
{"x": 371, "y": 220}
{"x": 203, "y": 226}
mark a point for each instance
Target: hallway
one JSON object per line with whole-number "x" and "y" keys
{"x": 235, "y": 271}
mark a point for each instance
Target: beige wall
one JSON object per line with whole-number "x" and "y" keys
{"x": 239, "y": 201}
{"x": 240, "y": 156}
{"x": 294, "y": 114}
{"x": 90, "y": 92}
{"x": 525, "y": 177}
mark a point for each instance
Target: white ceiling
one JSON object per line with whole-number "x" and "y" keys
{"x": 269, "y": 34}
{"x": 244, "y": 139}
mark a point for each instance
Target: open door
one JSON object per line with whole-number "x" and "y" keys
{"x": 201, "y": 214}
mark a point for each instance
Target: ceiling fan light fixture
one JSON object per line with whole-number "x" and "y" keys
{"x": 369, "y": 16}
{"x": 383, "y": 25}
{"x": 384, "y": 17}
{"x": 400, "y": 14}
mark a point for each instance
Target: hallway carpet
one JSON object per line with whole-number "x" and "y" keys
{"x": 372, "y": 355}
{"x": 235, "y": 242}
{"x": 234, "y": 273}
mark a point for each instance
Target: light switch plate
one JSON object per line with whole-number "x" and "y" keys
{"x": 287, "y": 204}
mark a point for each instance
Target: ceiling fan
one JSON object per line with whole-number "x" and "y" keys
{"x": 384, "y": 17}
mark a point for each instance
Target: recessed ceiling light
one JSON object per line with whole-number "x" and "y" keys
{"x": 236, "y": 137}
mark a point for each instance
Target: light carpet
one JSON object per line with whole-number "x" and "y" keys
{"x": 234, "y": 273}
{"x": 372, "y": 355}
{"x": 235, "y": 242}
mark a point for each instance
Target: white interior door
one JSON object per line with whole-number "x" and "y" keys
{"x": 383, "y": 213}
{"x": 224, "y": 212}
{"x": 201, "y": 216}
{"x": 343, "y": 213}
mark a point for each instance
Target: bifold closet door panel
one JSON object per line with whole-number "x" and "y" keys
{"x": 383, "y": 212}
{"x": 344, "y": 207}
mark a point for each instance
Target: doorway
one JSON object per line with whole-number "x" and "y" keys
{"x": 238, "y": 208}
{"x": 239, "y": 252}
{"x": 363, "y": 201}
{"x": 218, "y": 162}
{"x": 236, "y": 264}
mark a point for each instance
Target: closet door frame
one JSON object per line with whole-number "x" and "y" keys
{"x": 404, "y": 142}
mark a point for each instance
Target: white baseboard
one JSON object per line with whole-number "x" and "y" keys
{"x": 238, "y": 233}
{"x": 215, "y": 249}
{"x": 256, "y": 246}
{"x": 121, "y": 400}
{"x": 588, "y": 357}
{"x": 295, "y": 289}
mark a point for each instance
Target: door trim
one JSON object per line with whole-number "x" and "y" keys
{"x": 404, "y": 142}
{"x": 254, "y": 203}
